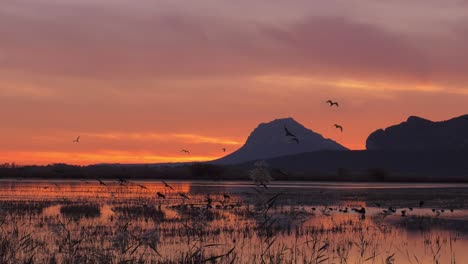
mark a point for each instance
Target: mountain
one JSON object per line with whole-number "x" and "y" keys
{"x": 421, "y": 134}
{"x": 269, "y": 140}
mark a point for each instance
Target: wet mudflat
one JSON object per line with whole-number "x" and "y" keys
{"x": 87, "y": 221}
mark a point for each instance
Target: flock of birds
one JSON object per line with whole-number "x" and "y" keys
{"x": 160, "y": 195}
{"x": 289, "y": 134}
{"x": 294, "y": 138}
{"x": 385, "y": 212}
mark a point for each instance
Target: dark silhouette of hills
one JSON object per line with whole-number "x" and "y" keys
{"x": 373, "y": 165}
{"x": 269, "y": 140}
{"x": 417, "y": 150}
{"x": 421, "y": 134}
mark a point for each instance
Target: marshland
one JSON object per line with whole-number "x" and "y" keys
{"x": 121, "y": 221}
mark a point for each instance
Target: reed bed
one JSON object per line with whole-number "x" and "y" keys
{"x": 258, "y": 226}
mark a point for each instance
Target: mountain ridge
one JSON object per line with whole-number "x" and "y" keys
{"x": 269, "y": 140}
{"x": 417, "y": 133}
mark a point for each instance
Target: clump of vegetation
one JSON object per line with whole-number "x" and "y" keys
{"x": 81, "y": 210}
{"x": 260, "y": 174}
{"x": 139, "y": 211}
{"x": 24, "y": 207}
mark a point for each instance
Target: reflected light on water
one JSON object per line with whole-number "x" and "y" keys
{"x": 232, "y": 222}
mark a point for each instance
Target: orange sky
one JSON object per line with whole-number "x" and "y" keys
{"x": 141, "y": 80}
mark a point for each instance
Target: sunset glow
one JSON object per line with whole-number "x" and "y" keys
{"x": 139, "y": 81}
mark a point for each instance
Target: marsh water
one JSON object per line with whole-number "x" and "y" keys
{"x": 88, "y": 221}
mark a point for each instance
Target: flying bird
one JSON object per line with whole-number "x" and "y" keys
{"x": 122, "y": 182}
{"x": 183, "y": 195}
{"x": 160, "y": 195}
{"x": 339, "y": 127}
{"x": 295, "y": 139}
{"x": 331, "y": 103}
{"x": 185, "y": 151}
{"x": 101, "y": 182}
{"x": 77, "y": 140}
{"x": 167, "y": 185}
{"x": 142, "y": 186}
{"x": 288, "y": 133}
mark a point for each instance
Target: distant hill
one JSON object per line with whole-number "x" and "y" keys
{"x": 441, "y": 163}
{"x": 419, "y": 134}
{"x": 268, "y": 140}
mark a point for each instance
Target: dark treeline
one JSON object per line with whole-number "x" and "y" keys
{"x": 204, "y": 171}
{"x": 65, "y": 171}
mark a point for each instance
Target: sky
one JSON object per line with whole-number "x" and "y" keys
{"x": 141, "y": 80}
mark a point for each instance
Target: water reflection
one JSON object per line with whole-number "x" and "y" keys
{"x": 88, "y": 221}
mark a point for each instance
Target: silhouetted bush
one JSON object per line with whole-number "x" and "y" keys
{"x": 81, "y": 210}
{"x": 377, "y": 175}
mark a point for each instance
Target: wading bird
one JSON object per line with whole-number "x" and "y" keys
{"x": 331, "y": 103}
{"x": 223, "y": 149}
{"x": 167, "y": 185}
{"x": 339, "y": 127}
{"x": 77, "y": 140}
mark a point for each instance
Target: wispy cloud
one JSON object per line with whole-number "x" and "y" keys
{"x": 179, "y": 138}
{"x": 84, "y": 158}
{"x": 361, "y": 84}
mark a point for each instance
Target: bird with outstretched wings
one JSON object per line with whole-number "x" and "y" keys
{"x": 331, "y": 103}
{"x": 167, "y": 185}
{"x": 288, "y": 133}
{"x": 339, "y": 127}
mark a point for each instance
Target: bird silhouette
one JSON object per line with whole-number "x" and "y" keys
{"x": 288, "y": 133}
{"x": 421, "y": 203}
{"x": 101, "y": 182}
{"x": 183, "y": 195}
{"x": 208, "y": 199}
{"x": 160, "y": 195}
{"x": 167, "y": 185}
{"x": 122, "y": 182}
{"x": 142, "y": 186}
{"x": 223, "y": 149}
{"x": 295, "y": 139}
{"x": 185, "y": 151}
{"x": 226, "y": 196}
{"x": 331, "y": 103}
{"x": 77, "y": 140}
{"x": 339, "y": 127}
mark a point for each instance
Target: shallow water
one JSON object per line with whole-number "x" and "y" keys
{"x": 290, "y": 222}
